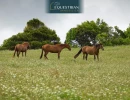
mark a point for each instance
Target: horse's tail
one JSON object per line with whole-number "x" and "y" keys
{"x": 78, "y": 53}
{"x": 41, "y": 54}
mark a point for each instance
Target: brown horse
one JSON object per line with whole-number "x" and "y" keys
{"x": 53, "y": 49}
{"x": 21, "y": 48}
{"x": 92, "y": 50}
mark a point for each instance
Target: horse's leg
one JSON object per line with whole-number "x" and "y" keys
{"x": 14, "y": 53}
{"x": 18, "y": 53}
{"x": 83, "y": 56}
{"x": 45, "y": 55}
{"x": 97, "y": 57}
{"x": 58, "y": 55}
{"x": 86, "y": 56}
{"x": 25, "y": 53}
{"x": 22, "y": 54}
{"x": 94, "y": 57}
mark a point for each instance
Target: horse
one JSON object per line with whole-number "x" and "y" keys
{"x": 91, "y": 50}
{"x": 57, "y": 48}
{"x": 21, "y": 48}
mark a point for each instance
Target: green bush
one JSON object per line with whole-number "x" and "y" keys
{"x": 3, "y": 48}
{"x": 126, "y": 41}
{"x": 36, "y": 45}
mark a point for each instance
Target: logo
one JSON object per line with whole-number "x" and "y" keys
{"x": 64, "y": 6}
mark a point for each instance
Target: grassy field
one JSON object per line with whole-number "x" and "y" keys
{"x": 32, "y": 78}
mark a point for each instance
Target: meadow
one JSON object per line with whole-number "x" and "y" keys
{"x": 31, "y": 78}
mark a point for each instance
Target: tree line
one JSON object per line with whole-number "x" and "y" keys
{"x": 35, "y": 32}
{"x": 86, "y": 33}
{"x": 91, "y": 32}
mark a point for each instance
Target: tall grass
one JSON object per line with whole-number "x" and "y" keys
{"x": 31, "y": 78}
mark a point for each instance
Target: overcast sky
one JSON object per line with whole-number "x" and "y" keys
{"x": 14, "y": 15}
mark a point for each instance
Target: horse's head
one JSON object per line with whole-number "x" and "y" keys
{"x": 27, "y": 45}
{"x": 99, "y": 46}
{"x": 68, "y": 46}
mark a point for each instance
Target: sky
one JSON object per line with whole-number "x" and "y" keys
{"x": 14, "y": 14}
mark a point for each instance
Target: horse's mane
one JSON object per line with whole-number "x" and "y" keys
{"x": 25, "y": 43}
{"x": 97, "y": 45}
{"x": 62, "y": 44}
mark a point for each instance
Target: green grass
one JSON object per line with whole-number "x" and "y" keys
{"x": 31, "y": 78}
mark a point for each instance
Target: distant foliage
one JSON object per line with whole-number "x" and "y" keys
{"x": 90, "y": 32}
{"x": 36, "y": 44}
{"x": 35, "y": 32}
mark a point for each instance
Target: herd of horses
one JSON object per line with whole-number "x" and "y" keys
{"x": 57, "y": 48}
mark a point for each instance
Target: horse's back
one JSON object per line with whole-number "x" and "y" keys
{"x": 51, "y": 48}
{"x": 88, "y": 49}
{"x": 45, "y": 46}
{"x": 49, "y": 45}
{"x": 17, "y": 46}
{"x": 20, "y": 47}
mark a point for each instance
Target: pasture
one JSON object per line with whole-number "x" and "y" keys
{"x": 32, "y": 78}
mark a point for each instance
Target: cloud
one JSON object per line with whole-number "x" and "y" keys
{"x": 15, "y": 13}
{"x": 6, "y": 33}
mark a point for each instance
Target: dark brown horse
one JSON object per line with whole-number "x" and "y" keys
{"x": 91, "y": 50}
{"x": 21, "y": 48}
{"x": 53, "y": 49}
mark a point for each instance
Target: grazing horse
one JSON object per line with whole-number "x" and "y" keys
{"x": 21, "y": 48}
{"x": 53, "y": 49}
{"x": 91, "y": 50}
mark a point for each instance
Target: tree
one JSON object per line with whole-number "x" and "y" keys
{"x": 120, "y": 32}
{"x": 127, "y": 32}
{"x": 90, "y": 31}
{"x": 71, "y": 35}
{"x": 35, "y": 32}
{"x": 33, "y": 25}
{"x": 84, "y": 33}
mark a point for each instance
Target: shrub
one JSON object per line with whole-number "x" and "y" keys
{"x": 36, "y": 45}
